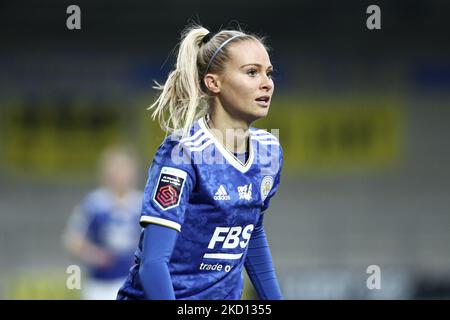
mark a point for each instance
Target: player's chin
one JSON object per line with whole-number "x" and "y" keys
{"x": 261, "y": 111}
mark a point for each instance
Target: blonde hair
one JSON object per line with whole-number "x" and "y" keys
{"x": 183, "y": 96}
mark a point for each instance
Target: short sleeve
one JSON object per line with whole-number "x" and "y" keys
{"x": 270, "y": 183}
{"x": 82, "y": 221}
{"x": 170, "y": 182}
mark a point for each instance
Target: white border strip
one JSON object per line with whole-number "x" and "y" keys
{"x": 197, "y": 142}
{"x": 201, "y": 148}
{"x": 260, "y": 132}
{"x": 193, "y": 137}
{"x": 267, "y": 142}
{"x": 230, "y": 256}
{"x": 230, "y": 158}
{"x": 162, "y": 222}
{"x": 265, "y": 137}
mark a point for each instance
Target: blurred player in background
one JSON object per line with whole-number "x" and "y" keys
{"x": 103, "y": 231}
{"x": 206, "y": 192}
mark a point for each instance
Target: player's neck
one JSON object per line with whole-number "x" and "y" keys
{"x": 232, "y": 133}
{"x": 120, "y": 194}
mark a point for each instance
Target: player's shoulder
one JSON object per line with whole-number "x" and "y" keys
{"x": 181, "y": 152}
{"x": 97, "y": 195}
{"x": 264, "y": 136}
{"x": 267, "y": 145}
{"x": 196, "y": 140}
{"x": 265, "y": 139}
{"x": 97, "y": 200}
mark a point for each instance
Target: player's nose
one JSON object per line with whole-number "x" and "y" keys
{"x": 266, "y": 83}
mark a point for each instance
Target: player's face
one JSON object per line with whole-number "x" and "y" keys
{"x": 120, "y": 173}
{"x": 246, "y": 85}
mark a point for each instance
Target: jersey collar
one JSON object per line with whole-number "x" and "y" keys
{"x": 225, "y": 152}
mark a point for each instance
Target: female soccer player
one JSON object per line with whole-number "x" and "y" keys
{"x": 212, "y": 177}
{"x": 102, "y": 232}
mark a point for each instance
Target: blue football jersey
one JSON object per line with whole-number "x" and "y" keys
{"x": 196, "y": 186}
{"x": 112, "y": 225}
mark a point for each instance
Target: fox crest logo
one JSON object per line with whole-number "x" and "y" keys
{"x": 266, "y": 186}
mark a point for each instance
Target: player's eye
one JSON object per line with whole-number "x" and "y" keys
{"x": 270, "y": 74}
{"x": 252, "y": 72}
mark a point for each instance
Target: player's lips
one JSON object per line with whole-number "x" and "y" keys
{"x": 263, "y": 101}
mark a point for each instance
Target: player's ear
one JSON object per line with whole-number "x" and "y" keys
{"x": 212, "y": 82}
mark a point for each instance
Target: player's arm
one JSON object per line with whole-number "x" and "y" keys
{"x": 87, "y": 252}
{"x": 258, "y": 263}
{"x": 77, "y": 242}
{"x": 259, "y": 266}
{"x": 157, "y": 248}
{"x": 165, "y": 198}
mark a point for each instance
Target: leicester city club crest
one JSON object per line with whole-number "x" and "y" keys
{"x": 266, "y": 186}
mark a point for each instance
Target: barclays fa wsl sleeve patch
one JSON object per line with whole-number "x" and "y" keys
{"x": 170, "y": 187}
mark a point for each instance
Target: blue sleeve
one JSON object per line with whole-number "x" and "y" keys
{"x": 171, "y": 179}
{"x": 157, "y": 248}
{"x": 259, "y": 266}
{"x": 271, "y": 181}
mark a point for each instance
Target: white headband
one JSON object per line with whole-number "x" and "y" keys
{"x": 218, "y": 49}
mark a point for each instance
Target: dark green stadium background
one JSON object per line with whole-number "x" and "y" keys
{"x": 362, "y": 117}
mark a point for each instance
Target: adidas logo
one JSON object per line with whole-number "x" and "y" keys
{"x": 221, "y": 194}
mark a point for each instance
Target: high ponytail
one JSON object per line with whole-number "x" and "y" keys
{"x": 183, "y": 96}
{"x": 177, "y": 106}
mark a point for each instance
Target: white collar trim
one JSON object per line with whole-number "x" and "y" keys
{"x": 226, "y": 153}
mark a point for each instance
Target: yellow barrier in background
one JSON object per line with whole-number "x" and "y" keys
{"x": 338, "y": 135}
{"x": 318, "y": 135}
{"x": 49, "y": 139}
{"x": 50, "y": 285}
{"x": 45, "y": 285}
